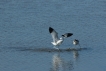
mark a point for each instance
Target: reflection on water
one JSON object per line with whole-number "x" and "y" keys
{"x": 59, "y": 64}
{"x": 75, "y": 54}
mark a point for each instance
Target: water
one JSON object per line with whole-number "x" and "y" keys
{"x": 25, "y": 42}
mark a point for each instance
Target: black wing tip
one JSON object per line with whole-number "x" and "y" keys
{"x": 50, "y": 29}
{"x": 70, "y": 34}
{"x": 67, "y": 35}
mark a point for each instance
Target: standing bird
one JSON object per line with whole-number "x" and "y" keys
{"x": 56, "y": 40}
{"x": 76, "y": 42}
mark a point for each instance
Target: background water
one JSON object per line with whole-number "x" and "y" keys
{"x": 24, "y": 35}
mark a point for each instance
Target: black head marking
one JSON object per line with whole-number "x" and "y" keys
{"x": 76, "y": 40}
{"x": 51, "y": 29}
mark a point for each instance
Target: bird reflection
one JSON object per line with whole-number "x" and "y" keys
{"x": 75, "y": 54}
{"x": 59, "y": 64}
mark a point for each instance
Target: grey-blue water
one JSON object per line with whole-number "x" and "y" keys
{"x": 25, "y": 41}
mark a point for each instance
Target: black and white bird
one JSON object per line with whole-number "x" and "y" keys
{"x": 76, "y": 42}
{"x": 56, "y": 40}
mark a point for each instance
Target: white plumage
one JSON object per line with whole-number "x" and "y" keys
{"x": 56, "y": 40}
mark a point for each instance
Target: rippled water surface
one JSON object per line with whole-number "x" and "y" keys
{"x": 25, "y": 41}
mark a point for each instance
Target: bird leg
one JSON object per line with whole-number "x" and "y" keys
{"x": 57, "y": 47}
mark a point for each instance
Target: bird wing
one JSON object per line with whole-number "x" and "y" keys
{"x": 54, "y": 34}
{"x": 67, "y": 35}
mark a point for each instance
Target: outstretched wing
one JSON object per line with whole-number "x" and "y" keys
{"x": 67, "y": 35}
{"x": 54, "y": 34}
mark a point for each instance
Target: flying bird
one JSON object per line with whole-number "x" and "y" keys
{"x": 56, "y": 40}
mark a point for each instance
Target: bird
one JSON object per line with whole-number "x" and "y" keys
{"x": 76, "y": 42}
{"x": 56, "y": 40}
